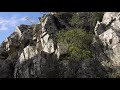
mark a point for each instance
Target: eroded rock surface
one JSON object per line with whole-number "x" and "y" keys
{"x": 32, "y": 51}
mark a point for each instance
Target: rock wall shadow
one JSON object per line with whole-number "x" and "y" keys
{"x": 43, "y": 65}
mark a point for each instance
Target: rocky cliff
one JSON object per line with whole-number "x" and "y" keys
{"x": 108, "y": 33}
{"x": 33, "y": 52}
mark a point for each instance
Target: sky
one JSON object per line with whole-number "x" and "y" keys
{"x": 9, "y": 21}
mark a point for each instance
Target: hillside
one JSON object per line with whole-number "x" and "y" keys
{"x": 64, "y": 45}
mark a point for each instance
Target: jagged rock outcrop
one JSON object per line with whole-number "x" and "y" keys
{"x": 110, "y": 36}
{"x": 110, "y": 39}
{"x": 33, "y": 52}
{"x": 39, "y": 49}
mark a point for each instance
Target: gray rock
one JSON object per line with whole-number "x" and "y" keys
{"x": 32, "y": 51}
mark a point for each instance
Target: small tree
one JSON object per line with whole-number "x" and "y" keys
{"x": 78, "y": 41}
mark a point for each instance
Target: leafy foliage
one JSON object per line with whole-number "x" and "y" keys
{"x": 78, "y": 41}
{"x": 86, "y": 20}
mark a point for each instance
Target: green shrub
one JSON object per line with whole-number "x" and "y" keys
{"x": 78, "y": 41}
{"x": 86, "y": 20}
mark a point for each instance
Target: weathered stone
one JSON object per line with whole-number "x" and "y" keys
{"x": 48, "y": 25}
{"x": 99, "y": 28}
{"x": 34, "y": 52}
{"x": 47, "y": 44}
{"x": 28, "y": 53}
{"x": 110, "y": 37}
{"x": 109, "y": 16}
{"x": 11, "y": 43}
{"x": 47, "y": 37}
{"x": 61, "y": 49}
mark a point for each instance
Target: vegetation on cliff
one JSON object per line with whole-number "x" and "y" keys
{"x": 74, "y": 29}
{"x": 79, "y": 37}
{"x": 79, "y": 43}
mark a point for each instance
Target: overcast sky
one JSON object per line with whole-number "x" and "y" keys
{"x": 9, "y": 21}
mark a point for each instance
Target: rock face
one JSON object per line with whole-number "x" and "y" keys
{"x": 33, "y": 49}
{"x": 28, "y": 53}
{"x": 33, "y": 52}
{"x": 111, "y": 36}
{"x": 41, "y": 54}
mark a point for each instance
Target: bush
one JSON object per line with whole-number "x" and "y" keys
{"x": 86, "y": 20}
{"x": 78, "y": 41}
{"x": 65, "y": 16}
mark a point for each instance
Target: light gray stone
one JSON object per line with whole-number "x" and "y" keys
{"x": 28, "y": 53}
